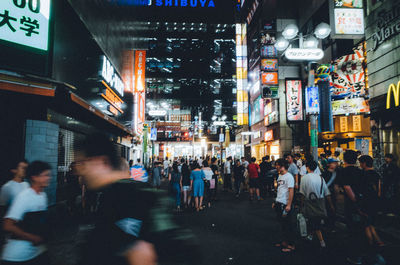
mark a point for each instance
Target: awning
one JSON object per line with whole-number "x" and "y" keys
{"x": 16, "y": 84}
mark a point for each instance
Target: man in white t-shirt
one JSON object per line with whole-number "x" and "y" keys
{"x": 25, "y": 220}
{"x": 313, "y": 187}
{"x": 228, "y": 174}
{"x": 283, "y": 204}
{"x": 166, "y": 167}
{"x": 13, "y": 187}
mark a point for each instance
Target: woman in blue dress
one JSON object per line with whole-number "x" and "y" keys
{"x": 197, "y": 184}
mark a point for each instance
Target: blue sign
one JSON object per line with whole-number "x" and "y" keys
{"x": 185, "y": 3}
{"x": 312, "y": 100}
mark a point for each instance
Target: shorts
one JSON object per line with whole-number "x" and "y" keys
{"x": 254, "y": 183}
{"x": 186, "y": 188}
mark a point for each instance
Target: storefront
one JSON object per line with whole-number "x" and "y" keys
{"x": 383, "y": 43}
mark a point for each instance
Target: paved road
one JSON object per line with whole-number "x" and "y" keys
{"x": 237, "y": 232}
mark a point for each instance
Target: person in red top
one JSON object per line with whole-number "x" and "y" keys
{"x": 254, "y": 170}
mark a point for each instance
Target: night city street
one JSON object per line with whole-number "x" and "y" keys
{"x": 199, "y": 132}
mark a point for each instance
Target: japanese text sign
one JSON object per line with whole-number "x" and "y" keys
{"x": 349, "y": 21}
{"x": 140, "y": 63}
{"x": 269, "y": 78}
{"x": 312, "y": 100}
{"x": 294, "y": 100}
{"x": 269, "y": 64}
{"x": 25, "y": 22}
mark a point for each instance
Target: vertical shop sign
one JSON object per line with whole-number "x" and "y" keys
{"x": 357, "y": 123}
{"x": 294, "y": 100}
{"x": 140, "y": 69}
{"x": 343, "y": 124}
{"x": 312, "y": 100}
{"x": 241, "y": 75}
{"x": 127, "y": 70}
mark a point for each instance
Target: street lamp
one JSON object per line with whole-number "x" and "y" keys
{"x": 308, "y": 45}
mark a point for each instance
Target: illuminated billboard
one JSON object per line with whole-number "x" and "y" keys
{"x": 241, "y": 75}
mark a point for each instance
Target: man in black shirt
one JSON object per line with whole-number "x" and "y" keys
{"x": 350, "y": 179}
{"x": 267, "y": 179}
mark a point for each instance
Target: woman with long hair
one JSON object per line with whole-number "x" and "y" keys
{"x": 175, "y": 179}
{"x": 186, "y": 183}
{"x": 197, "y": 178}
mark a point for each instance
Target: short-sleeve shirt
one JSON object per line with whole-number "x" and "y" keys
{"x": 350, "y": 176}
{"x": 303, "y": 170}
{"x": 197, "y": 175}
{"x": 293, "y": 169}
{"x": 28, "y": 209}
{"x": 10, "y": 190}
{"x": 208, "y": 174}
{"x": 253, "y": 170}
{"x": 311, "y": 184}
{"x": 285, "y": 182}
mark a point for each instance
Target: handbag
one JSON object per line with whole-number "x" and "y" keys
{"x": 212, "y": 184}
{"x": 315, "y": 207}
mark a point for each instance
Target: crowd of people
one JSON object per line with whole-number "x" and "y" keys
{"x": 303, "y": 190}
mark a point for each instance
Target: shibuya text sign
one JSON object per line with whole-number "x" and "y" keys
{"x": 184, "y": 3}
{"x": 25, "y": 22}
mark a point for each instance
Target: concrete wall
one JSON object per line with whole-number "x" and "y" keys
{"x": 384, "y": 62}
{"x": 41, "y": 143}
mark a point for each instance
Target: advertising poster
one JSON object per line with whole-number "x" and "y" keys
{"x": 312, "y": 100}
{"x": 269, "y": 78}
{"x": 269, "y": 64}
{"x": 350, "y": 106}
{"x": 153, "y": 134}
{"x": 269, "y": 51}
{"x": 363, "y": 146}
{"x": 294, "y": 100}
{"x": 348, "y": 3}
{"x": 255, "y": 111}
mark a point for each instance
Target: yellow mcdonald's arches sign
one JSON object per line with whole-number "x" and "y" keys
{"x": 395, "y": 90}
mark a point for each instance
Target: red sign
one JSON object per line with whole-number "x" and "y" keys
{"x": 127, "y": 70}
{"x": 140, "y": 69}
{"x": 294, "y": 100}
{"x": 269, "y": 136}
{"x": 269, "y": 78}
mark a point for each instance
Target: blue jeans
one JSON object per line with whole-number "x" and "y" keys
{"x": 177, "y": 189}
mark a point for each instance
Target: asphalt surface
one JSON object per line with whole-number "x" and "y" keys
{"x": 236, "y": 232}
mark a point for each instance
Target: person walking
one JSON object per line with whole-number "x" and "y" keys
{"x": 175, "y": 178}
{"x": 314, "y": 190}
{"x": 197, "y": 185}
{"x": 293, "y": 170}
{"x": 156, "y": 175}
{"x": 330, "y": 177}
{"x": 208, "y": 173}
{"x": 238, "y": 176}
{"x": 214, "y": 180}
{"x": 350, "y": 180}
{"x": 186, "y": 184}
{"x": 370, "y": 199}
{"x": 266, "y": 180}
{"x": 25, "y": 220}
{"x": 283, "y": 205}
{"x": 228, "y": 174}
{"x": 254, "y": 181}
{"x": 391, "y": 180}
{"x": 166, "y": 167}
{"x": 12, "y": 188}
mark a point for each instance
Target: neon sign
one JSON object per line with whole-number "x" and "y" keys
{"x": 396, "y": 95}
{"x": 185, "y": 3}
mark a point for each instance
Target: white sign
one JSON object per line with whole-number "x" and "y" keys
{"x": 349, "y": 21}
{"x": 157, "y": 112}
{"x": 221, "y": 138}
{"x": 25, "y": 22}
{"x": 219, "y": 123}
{"x": 297, "y": 54}
{"x": 111, "y": 76}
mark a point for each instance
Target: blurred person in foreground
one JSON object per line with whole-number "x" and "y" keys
{"x": 25, "y": 220}
{"x": 127, "y": 229}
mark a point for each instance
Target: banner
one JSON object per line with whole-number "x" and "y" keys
{"x": 350, "y": 106}
{"x": 294, "y": 100}
{"x": 140, "y": 70}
